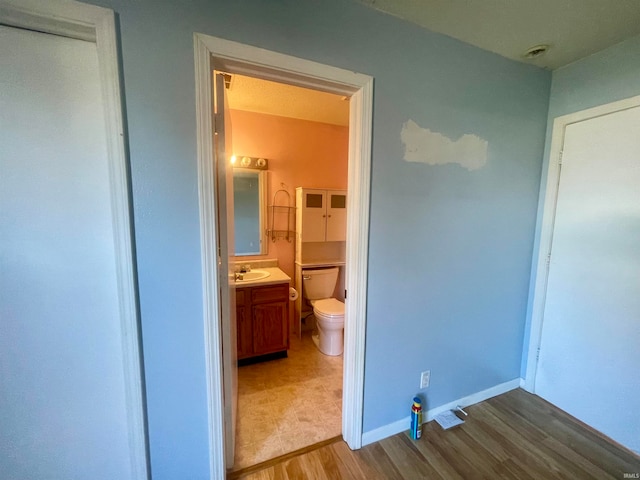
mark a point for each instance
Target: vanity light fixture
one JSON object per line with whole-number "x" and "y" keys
{"x": 254, "y": 163}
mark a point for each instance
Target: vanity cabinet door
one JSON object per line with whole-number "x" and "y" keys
{"x": 243, "y": 322}
{"x": 245, "y": 340}
{"x": 270, "y": 327}
{"x": 262, "y": 320}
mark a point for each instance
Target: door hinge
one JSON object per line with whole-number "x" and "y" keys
{"x": 221, "y": 275}
{"x": 345, "y": 294}
{"x": 560, "y": 159}
{"x": 538, "y": 354}
{"x": 548, "y": 260}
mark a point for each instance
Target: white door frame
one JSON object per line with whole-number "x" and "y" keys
{"x": 548, "y": 220}
{"x": 96, "y": 24}
{"x": 224, "y": 55}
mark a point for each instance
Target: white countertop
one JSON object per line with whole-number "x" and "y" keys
{"x": 275, "y": 276}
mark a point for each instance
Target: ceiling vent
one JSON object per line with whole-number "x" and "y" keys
{"x": 537, "y": 51}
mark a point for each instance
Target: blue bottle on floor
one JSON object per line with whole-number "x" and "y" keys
{"x": 416, "y": 418}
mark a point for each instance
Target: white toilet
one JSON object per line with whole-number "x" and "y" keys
{"x": 318, "y": 286}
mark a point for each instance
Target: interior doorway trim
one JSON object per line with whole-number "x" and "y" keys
{"x": 96, "y": 24}
{"x": 215, "y": 53}
{"x": 548, "y": 221}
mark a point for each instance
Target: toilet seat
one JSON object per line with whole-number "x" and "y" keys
{"x": 329, "y": 309}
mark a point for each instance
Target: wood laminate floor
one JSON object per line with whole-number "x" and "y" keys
{"x": 515, "y": 436}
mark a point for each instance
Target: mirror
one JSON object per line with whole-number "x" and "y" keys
{"x": 249, "y": 211}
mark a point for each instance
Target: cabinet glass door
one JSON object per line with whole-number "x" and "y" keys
{"x": 314, "y": 215}
{"x": 336, "y": 217}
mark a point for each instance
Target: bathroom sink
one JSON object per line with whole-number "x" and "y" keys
{"x": 252, "y": 275}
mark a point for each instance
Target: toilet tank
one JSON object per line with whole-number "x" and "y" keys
{"x": 319, "y": 283}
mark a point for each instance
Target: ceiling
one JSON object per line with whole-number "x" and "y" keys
{"x": 572, "y": 28}
{"x": 262, "y": 96}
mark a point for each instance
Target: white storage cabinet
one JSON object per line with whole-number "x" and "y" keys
{"x": 321, "y": 215}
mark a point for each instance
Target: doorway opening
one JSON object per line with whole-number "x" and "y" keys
{"x": 216, "y": 54}
{"x": 287, "y": 143}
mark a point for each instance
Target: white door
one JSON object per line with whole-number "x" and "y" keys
{"x": 314, "y": 215}
{"x": 336, "y": 216}
{"x": 224, "y": 189}
{"x": 63, "y": 405}
{"x": 589, "y": 354}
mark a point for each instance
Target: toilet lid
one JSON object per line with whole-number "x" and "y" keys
{"x": 329, "y": 307}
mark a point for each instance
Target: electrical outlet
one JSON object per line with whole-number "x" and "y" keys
{"x": 424, "y": 378}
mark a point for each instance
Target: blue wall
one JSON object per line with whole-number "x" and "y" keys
{"x": 607, "y": 76}
{"x": 450, "y": 249}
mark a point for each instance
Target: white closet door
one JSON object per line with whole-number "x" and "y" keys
{"x": 590, "y": 353}
{"x": 63, "y": 409}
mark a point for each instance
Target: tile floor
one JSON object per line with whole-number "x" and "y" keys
{"x": 287, "y": 404}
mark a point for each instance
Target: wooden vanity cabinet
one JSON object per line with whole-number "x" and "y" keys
{"x": 262, "y": 316}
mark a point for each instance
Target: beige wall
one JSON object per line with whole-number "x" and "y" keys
{"x": 300, "y": 153}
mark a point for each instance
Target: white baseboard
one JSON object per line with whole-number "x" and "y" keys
{"x": 403, "y": 424}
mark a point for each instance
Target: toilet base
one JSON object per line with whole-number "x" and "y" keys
{"x": 331, "y": 347}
